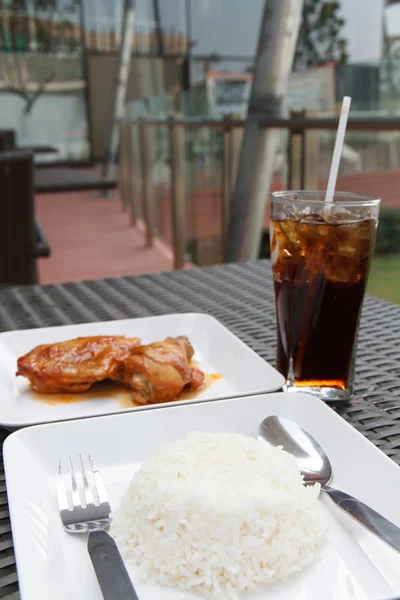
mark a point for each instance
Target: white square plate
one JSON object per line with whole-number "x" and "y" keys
{"x": 54, "y": 564}
{"x": 217, "y": 350}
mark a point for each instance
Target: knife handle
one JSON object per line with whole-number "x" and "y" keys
{"x": 373, "y": 521}
{"x": 111, "y": 572}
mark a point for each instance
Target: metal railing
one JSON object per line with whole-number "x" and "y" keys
{"x": 136, "y": 178}
{"x": 135, "y": 165}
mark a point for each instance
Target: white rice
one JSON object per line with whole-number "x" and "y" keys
{"x": 219, "y": 513}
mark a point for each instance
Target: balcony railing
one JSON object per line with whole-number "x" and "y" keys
{"x": 177, "y": 176}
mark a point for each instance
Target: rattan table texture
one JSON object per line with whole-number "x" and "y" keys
{"x": 241, "y": 296}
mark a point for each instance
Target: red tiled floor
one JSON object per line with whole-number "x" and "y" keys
{"x": 90, "y": 237}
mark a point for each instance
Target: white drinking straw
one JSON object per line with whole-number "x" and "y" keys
{"x": 337, "y": 152}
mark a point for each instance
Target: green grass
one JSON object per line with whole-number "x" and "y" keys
{"x": 384, "y": 278}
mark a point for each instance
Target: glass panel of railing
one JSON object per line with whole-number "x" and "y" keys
{"x": 209, "y": 155}
{"x": 161, "y": 180}
{"x": 204, "y": 184}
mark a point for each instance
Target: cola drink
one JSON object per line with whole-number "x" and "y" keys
{"x": 320, "y": 270}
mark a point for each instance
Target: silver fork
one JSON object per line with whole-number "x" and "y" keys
{"x": 82, "y": 511}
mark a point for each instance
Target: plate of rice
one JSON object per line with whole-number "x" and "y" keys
{"x": 203, "y": 510}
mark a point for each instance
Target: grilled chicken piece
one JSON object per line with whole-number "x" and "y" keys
{"x": 73, "y": 366}
{"x": 158, "y": 372}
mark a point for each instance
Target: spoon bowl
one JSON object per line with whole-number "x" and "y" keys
{"x": 315, "y": 466}
{"x": 313, "y": 462}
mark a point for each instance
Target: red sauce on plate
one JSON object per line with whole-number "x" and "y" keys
{"x": 115, "y": 391}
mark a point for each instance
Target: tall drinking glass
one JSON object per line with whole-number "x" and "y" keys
{"x": 321, "y": 253}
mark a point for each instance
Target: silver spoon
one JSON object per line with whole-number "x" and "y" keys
{"x": 315, "y": 466}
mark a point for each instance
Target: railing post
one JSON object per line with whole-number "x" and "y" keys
{"x": 311, "y": 150}
{"x": 295, "y": 155}
{"x": 122, "y": 165}
{"x": 289, "y": 158}
{"x": 137, "y": 172}
{"x": 177, "y": 153}
{"x": 127, "y": 166}
{"x": 226, "y": 178}
{"x": 147, "y": 183}
{"x": 130, "y": 173}
{"x": 235, "y": 147}
{"x": 232, "y": 141}
{"x": 302, "y": 155}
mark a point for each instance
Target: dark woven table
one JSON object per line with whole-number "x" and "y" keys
{"x": 242, "y": 298}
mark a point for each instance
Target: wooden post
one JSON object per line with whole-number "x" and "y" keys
{"x": 147, "y": 183}
{"x": 225, "y": 177}
{"x": 236, "y": 138}
{"x": 137, "y": 172}
{"x": 311, "y": 153}
{"x": 177, "y": 153}
{"x": 303, "y": 156}
{"x": 232, "y": 142}
{"x": 130, "y": 173}
{"x": 122, "y": 164}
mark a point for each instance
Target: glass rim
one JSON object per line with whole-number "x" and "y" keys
{"x": 352, "y": 199}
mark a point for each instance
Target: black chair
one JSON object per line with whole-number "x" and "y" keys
{"x": 21, "y": 237}
{"x": 7, "y": 140}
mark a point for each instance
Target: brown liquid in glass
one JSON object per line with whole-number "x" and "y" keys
{"x": 320, "y": 272}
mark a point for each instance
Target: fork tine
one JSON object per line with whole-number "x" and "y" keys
{"x": 86, "y": 489}
{"x": 76, "y": 499}
{"x": 98, "y": 482}
{"x": 62, "y": 497}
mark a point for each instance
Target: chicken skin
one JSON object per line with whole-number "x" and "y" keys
{"x": 74, "y": 365}
{"x": 158, "y": 372}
